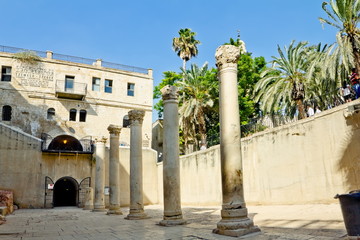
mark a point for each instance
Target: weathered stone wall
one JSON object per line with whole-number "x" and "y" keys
{"x": 309, "y": 161}
{"x": 23, "y": 168}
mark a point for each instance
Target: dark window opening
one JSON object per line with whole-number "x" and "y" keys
{"x": 6, "y": 113}
{"x": 69, "y": 83}
{"x": 82, "y": 115}
{"x": 126, "y": 121}
{"x": 72, "y": 114}
{"x": 131, "y": 89}
{"x": 51, "y": 114}
{"x": 96, "y": 84}
{"x": 108, "y": 86}
{"x": 6, "y": 74}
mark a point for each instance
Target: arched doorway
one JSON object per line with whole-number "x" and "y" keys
{"x": 65, "y": 143}
{"x": 66, "y": 191}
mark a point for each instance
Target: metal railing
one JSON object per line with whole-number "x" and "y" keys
{"x": 124, "y": 67}
{"x": 17, "y": 50}
{"x": 86, "y": 143}
{"x": 77, "y": 88}
{"x": 75, "y": 59}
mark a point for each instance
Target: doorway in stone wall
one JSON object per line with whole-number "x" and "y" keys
{"x": 66, "y": 192}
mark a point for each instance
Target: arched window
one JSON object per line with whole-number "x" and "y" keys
{"x": 126, "y": 121}
{"x": 82, "y": 115}
{"x": 6, "y": 113}
{"x": 72, "y": 115}
{"x": 51, "y": 114}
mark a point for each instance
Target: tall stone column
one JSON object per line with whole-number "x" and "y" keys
{"x": 99, "y": 201}
{"x": 136, "y": 118}
{"x": 234, "y": 216}
{"x": 114, "y": 170}
{"x": 171, "y": 165}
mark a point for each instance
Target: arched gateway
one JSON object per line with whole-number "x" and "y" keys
{"x": 66, "y": 192}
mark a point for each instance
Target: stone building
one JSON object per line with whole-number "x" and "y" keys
{"x": 58, "y": 106}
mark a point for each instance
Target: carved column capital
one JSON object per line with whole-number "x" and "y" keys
{"x": 227, "y": 56}
{"x": 114, "y": 129}
{"x": 136, "y": 116}
{"x": 101, "y": 140}
{"x": 169, "y": 92}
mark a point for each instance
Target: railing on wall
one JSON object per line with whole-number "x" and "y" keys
{"x": 75, "y": 59}
{"x": 75, "y": 88}
{"x": 86, "y": 143}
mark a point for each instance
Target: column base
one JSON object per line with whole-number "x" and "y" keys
{"x": 99, "y": 209}
{"x": 114, "y": 212}
{"x": 235, "y": 222}
{"x": 88, "y": 208}
{"x": 172, "y": 221}
{"x": 136, "y": 216}
{"x": 236, "y": 227}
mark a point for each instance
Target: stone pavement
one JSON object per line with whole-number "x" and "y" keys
{"x": 290, "y": 222}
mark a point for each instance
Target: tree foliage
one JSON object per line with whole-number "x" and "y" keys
{"x": 185, "y": 45}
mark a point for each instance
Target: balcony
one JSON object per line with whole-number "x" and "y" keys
{"x": 66, "y": 144}
{"x": 70, "y": 90}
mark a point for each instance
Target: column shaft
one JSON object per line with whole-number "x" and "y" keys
{"x": 171, "y": 165}
{"x": 99, "y": 201}
{"x": 136, "y": 172}
{"x": 234, "y": 220}
{"x": 114, "y": 171}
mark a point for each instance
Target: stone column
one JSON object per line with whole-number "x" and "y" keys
{"x": 171, "y": 165}
{"x": 89, "y": 199}
{"x": 234, "y": 220}
{"x": 136, "y": 181}
{"x": 99, "y": 201}
{"x": 114, "y": 170}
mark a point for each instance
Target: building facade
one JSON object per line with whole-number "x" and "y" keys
{"x": 64, "y": 104}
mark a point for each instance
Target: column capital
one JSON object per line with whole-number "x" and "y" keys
{"x": 100, "y": 140}
{"x": 227, "y": 56}
{"x": 169, "y": 92}
{"x": 136, "y": 116}
{"x": 114, "y": 129}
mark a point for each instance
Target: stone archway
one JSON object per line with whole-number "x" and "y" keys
{"x": 65, "y": 143}
{"x": 66, "y": 192}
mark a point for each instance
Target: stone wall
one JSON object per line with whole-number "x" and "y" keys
{"x": 308, "y": 161}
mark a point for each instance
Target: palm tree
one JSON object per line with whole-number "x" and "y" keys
{"x": 282, "y": 86}
{"x": 185, "y": 45}
{"x": 195, "y": 102}
{"x": 345, "y": 16}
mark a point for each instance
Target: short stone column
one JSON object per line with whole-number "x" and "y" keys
{"x": 171, "y": 165}
{"x": 114, "y": 170}
{"x": 89, "y": 199}
{"x": 99, "y": 201}
{"x": 136, "y": 173}
{"x": 235, "y": 221}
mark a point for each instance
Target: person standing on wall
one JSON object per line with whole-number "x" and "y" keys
{"x": 354, "y": 79}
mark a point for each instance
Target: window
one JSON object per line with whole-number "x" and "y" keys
{"x": 69, "y": 83}
{"x": 6, "y": 113}
{"x": 82, "y": 115}
{"x": 131, "y": 89}
{"x": 6, "y": 74}
{"x": 51, "y": 114}
{"x": 96, "y": 84}
{"x": 126, "y": 121}
{"x": 108, "y": 85}
{"x": 72, "y": 115}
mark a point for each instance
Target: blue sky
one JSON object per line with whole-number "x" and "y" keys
{"x": 139, "y": 33}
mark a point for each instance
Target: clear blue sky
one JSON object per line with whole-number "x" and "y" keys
{"x": 139, "y": 33}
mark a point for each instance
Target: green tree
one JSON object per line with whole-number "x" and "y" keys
{"x": 170, "y": 78}
{"x": 345, "y": 16}
{"x": 185, "y": 45}
{"x": 196, "y": 101}
{"x": 282, "y": 86}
